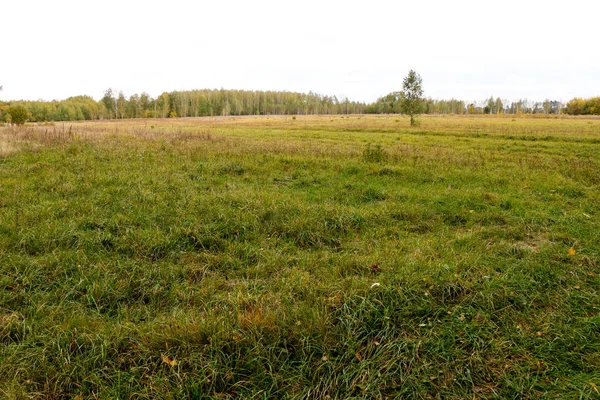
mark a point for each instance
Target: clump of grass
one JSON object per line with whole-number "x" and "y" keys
{"x": 372, "y": 194}
{"x": 375, "y": 154}
{"x": 234, "y": 168}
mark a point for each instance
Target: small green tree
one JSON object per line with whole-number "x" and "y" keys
{"x": 18, "y": 115}
{"x": 110, "y": 103}
{"x": 491, "y": 106}
{"x": 412, "y": 96}
{"x": 499, "y": 106}
{"x": 547, "y": 106}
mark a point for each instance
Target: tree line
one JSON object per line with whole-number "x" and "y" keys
{"x": 195, "y": 103}
{"x": 579, "y": 106}
{"x": 392, "y": 104}
{"x": 207, "y": 102}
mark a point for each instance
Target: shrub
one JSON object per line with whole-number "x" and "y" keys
{"x": 18, "y": 115}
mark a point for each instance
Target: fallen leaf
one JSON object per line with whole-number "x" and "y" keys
{"x": 168, "y": 361}
{"x": 324, "y": 358}
{"x": 375, "y": 267}
{"x": 577, "y": 287}
{"x": 358, "y": 357}
{"x": 572, "y": 251}
{"x": 539, "y": 333}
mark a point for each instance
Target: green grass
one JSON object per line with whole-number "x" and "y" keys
{"x": 301, "y": 258}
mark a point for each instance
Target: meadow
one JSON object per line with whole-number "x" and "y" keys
{"x": 301, "y": 257}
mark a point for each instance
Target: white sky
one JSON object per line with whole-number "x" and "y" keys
{"x": 466, "y": 49}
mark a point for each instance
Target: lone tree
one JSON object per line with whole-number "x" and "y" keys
{"x": 412, "y": 95}
{"x": 18, "y": 114}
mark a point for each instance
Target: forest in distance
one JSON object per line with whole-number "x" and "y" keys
{"x": 220, "y": 102}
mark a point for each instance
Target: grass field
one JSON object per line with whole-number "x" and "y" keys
{"x": 309, "y": 257}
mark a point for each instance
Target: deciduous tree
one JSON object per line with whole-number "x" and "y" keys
{"x": 18, "y": 114}
{"x": 412, "y": 99}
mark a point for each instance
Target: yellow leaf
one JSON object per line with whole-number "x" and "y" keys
{"x": 168, "y": 361}
{"x": 572, "y": 251}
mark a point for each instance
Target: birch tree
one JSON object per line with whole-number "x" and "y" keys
{"x": 412, "y": 99}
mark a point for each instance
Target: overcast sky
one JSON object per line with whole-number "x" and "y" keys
{"x": 360, "y": 49}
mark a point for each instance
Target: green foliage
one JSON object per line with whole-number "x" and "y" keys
{"x": 389, "y": 104}
{"x": 195, "y": 103}
{"x": 499, "y": 106}
{"x": 18, "y": 114}
{"x": 71, "y": 109}
{"x": 3, "y": 108}
{"x": 392, "y": 104}
{"x": 109, "y": 103}
{"x": 198, "y": 103}
{"x": 579, "y": 106}
{"x": 375, "y": 154}
{"x": 412, "y": 98}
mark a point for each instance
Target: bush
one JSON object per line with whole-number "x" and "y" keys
{"x": 18, "y": 115}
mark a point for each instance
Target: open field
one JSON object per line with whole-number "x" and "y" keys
{"x": 349, "y": 257}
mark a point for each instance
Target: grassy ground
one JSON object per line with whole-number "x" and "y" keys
{"x": 349, "y": 257}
